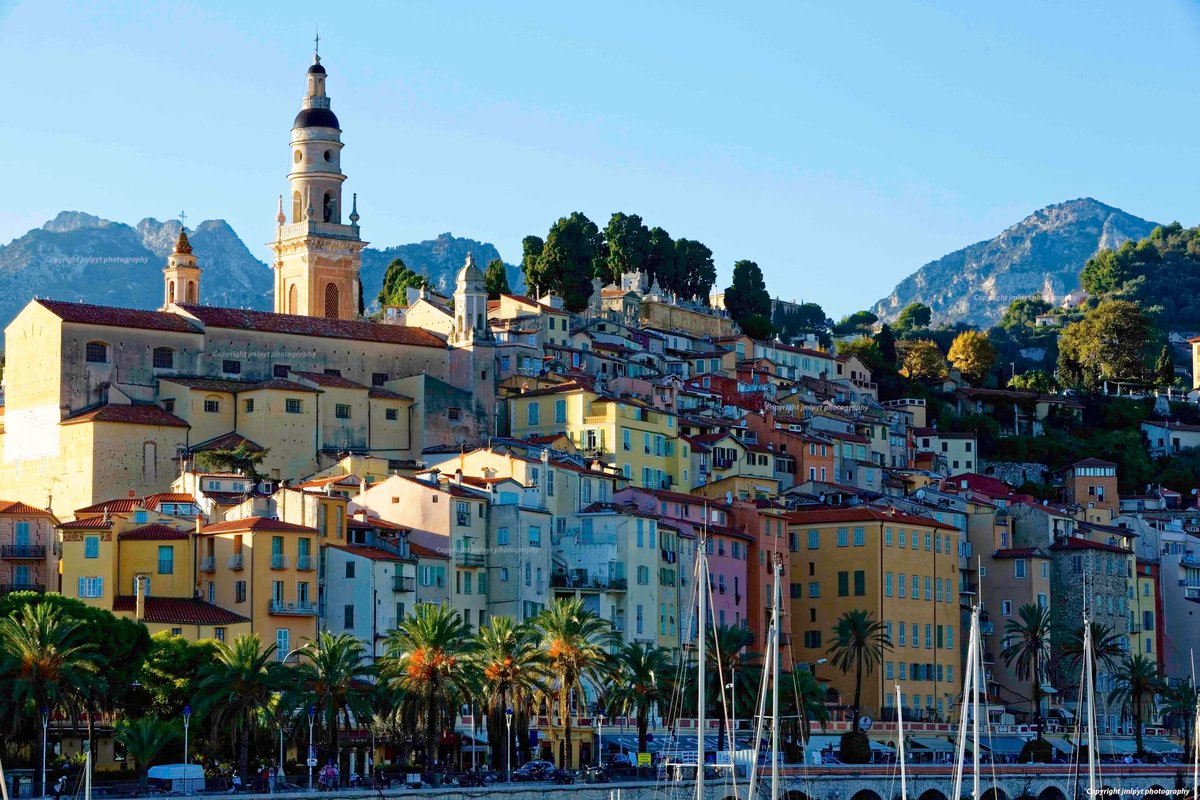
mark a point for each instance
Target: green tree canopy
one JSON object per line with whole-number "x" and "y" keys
{"x": 495, "y": 279}
{"x": 793, "y": 321}
{"x": 1033, "y": 381}
{"x": 747, "y": 300}
{"x": 1164, "y": 367}
{"x": 168, "y": 675}
{"x": 244, "y": 458}
{"x": 1113, "y": 341}
{"x": 1161, "y": 273}
{"x": 661, "y": 262}
{"x": 569, "y": 259}
{"x": 531, "y": 264}
{"x": 695, "y": 272}
{"x": 629, "y": 246}
{"x": 396, "y": 279}
{"x": 913, "y": 317}
{"x": 858, "y": 322}
{"x": 1023, "y": 312}
{"x": 886, "y": 340}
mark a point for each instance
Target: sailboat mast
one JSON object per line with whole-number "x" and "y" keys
{"x": 1196, "y": 752}
{"x": 1090, "y": 698}
{"x": 976, "y": 679}
{"x": 702, "y": 621}
{"x": 900, "y": 745}
{"x": 775, "y": 602}
{"x": 969, "y": 678}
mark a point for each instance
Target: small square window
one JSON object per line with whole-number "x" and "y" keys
{"x": 342, "y": 411}
{"x": 97, "y": 353}
{"x": 455, "y": 413}
{"x": 212, "y": 406}
{"x": 281, "y": 370}
{"x": 379, "y": 378}
{"x": 293, "y": 406}
{"x": 169, "y": 405}
{"x": 249, "y": 405}
{"x": 391, "y": 414}
{"x": 231, "y": 367}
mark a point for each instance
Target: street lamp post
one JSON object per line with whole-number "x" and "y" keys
{"x": 45, "y": 725}
{"x": 312, "y": 714}
{"x": 508, "y": 714}
{"x": 473, "y": 767}
{"x": 600, "y": 740}
{"x": 187, "y": 718}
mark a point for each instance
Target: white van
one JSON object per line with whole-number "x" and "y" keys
{"x": 177, "y": 778}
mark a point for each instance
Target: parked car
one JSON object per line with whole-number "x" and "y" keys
{"x": 533, "y": 771}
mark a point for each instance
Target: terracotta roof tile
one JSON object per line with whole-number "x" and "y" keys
{"x": 226, "y": 441}
{"x": 257, "y": 524}
{"x": 334, "y": 381}
{"x": 179, "y": 610}
{"x": 225, "y": 385}
{"x": 167, "y": 497}
{"x": 128, "y": 414}
{"x": 138, "y": 319}
{"x": 87, "y": 523}
{"x": 154, "y": 533}
{"x": 426, "y": 552}
{"x": 373, "y": 553}
{"x": 379, "y": 393}
{"x": 863, "y": 514}
{"x": 21, "y": 509}
{"x": 120, "y": 505}
{"x": 268, "y": 322}
{"x": 280, "y": 384}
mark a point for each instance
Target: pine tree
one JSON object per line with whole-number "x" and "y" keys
{"x": 495, "y": 279}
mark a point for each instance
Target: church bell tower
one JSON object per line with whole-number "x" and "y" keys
{"x": 317, "y": 254}
{"x": 181, "y": 276}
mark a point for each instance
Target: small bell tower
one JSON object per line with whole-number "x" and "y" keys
{"x": 181, "y": 276}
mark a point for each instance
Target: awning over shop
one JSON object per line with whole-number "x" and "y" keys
{"x": 1006, "y": 745}
{"x": 932, "y": 744}
{"x": 817, "y": 743}
{"x": 1162, "y": 746}
{"x": 1061, "y": 744}
{"x": 1117, "y": 747}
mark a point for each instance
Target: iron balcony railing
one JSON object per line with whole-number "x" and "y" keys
{"x": 23, "y": 551}
{"x": 208, "y": 564}
{"x": 236, "y": 561}
{"x": 280, "y": 608}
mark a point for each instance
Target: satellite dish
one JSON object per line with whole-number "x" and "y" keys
{"x": 920, "y": 494}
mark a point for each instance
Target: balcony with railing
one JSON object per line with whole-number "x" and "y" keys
{"x": 9, "y": 588}
{"x": 280, "y": 561}
{"x": 236, "y": 561}
{"x": 23, "y": 552}
{"x": 466, "y": 559}
{"x": 306, "y": 562}
{"x": 282, "y": 609}
{"x": 582, "y": 579}
{"x": 208, "y": 564}
{"x": 403, "y": 584}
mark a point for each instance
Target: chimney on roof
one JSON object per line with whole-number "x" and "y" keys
{"x": 362, "y": 515}
{"x": 435, "y": 476}
{"x": 458, "y": 477}
{"x": 139, "y": 597}
{"x": 329, "y": 489}
{"x": 362, "y": 486}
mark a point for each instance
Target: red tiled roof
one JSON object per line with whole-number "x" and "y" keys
{"x": 168, "y": 497}
{"x": 86, "y": 314}
{"x": 225, "y": 385}
{"x": 226, "y": 498}
{"x": 426, "y": 552}
{"x": 449, "y": 487}
{"x": 21, "y": 509}
{"x": 153, "y": 533}
{"x": 256, "y": 524}
{"x": 863, "y": 514}
{"x": 1076, "y": 543}
{"x": 227, "y": 441}
{"x": 373, "y": 553}
{"x": 129, "y": 414}
{"x": 335, "y": 381}
{"x": 374, "y": 522}
{"x": 282, "y": 385}
{"x": 121, "y": 505}
{"x": 268, "y": 322}
{"x": 1093, "y": 462}
{"x": 1017, "y": 552}
{"x": 87, "y": 523}
{"x": 528, "y": 301}
{"x": 379, "y": 393}
{"x": 179, "y": 610}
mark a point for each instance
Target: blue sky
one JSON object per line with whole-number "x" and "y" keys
{"x": 839, "y": 145}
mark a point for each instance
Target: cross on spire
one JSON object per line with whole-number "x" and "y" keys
{"x": 317, "y": 43}
{"x": 182, "y": 220}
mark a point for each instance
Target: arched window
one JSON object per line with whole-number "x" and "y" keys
{"x": 291, "y": 304}
{"x": 297, "y": 207}
{"x": 331, "y": 301}
{"x": 97, "y": 353}
{"x": 328, "y": 207}
{"x": 191, "y": 292}
{"x": 170, "y": 292}
{"x": 164, "y": 358}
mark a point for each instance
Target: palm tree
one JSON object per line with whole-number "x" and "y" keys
{"x": 1137, "y": 685}
{"x": 642, "y": 678}
{"x": 1179, "y": 711}
{"x": 425, "y": 658}
{"x": 1029, "y": 648}
{"x": 144, "y": 739}
{"x": 511, "y": 669}
{"x": 576, "y": 643}
{"x": 44, "y": 661}
{"x": 1108, "y": 648}
{"x": 859, "y": 641}
{"x": 334, "y": 675}
{"x": 801, "y": 702}
{"x": 728, "y": 663}
{"x": 238, "y": 683}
